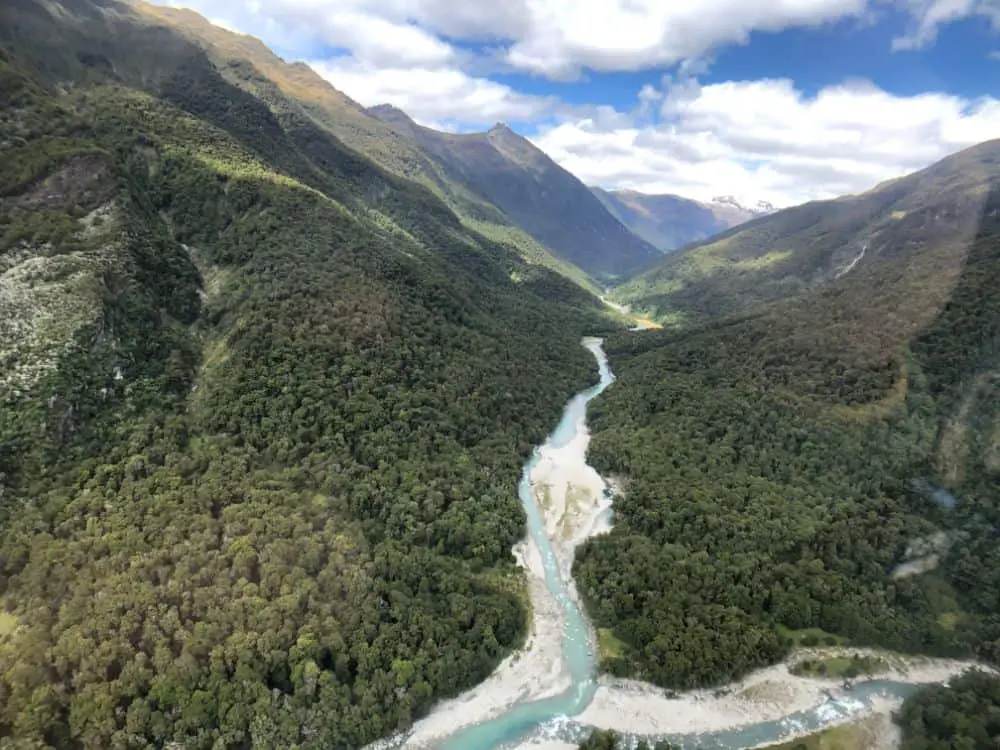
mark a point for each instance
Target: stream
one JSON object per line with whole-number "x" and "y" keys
{"x": 550, "y": 718}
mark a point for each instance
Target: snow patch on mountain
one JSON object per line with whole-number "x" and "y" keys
{"x": 755, "y": 207}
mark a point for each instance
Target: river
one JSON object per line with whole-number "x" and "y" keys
{"x": 505, "y": 712}
{"x": 577, "y": 646}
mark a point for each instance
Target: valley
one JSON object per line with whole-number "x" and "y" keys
{"x": 548, "y": 692}
{"x": 321, "y": 428}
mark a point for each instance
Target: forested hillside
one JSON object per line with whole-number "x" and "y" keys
{"x": 264, "y": 407}
{"x": 547, "y": 201}
{"x": 780, "y": 465}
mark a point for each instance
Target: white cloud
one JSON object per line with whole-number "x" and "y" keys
{"x": 766, "y": 140}
{"x": 554, "y": 38}
{"x": 223, "y": 23}
{"x": 363, "y": 30}
{"x": 559, "y": 38}
{"x": 930, "y": 15}
{"x": 761, "y": 139}
{"x": 379, "y": 42}
{"x": 435, "y": 96}
{"x": 633, "y": 34}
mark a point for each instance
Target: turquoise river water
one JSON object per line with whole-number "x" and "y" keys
{"x": 551, "y": 718}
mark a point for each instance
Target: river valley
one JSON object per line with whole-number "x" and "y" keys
{"x": 548, "y": 695}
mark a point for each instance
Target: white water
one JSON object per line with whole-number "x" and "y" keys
{"x": 853, "y": 263}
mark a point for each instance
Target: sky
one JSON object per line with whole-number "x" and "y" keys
{"x": 777, "y": 100}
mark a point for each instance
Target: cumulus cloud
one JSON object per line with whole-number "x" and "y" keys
{"x": 565, "y": 35}
{"x": 352, "y": 27}
{"x": 930, "y": 15}
{"x": 767, "y": 140}
{"x": 435, "y": 96}
{"x": 761, "y": 139}
{"x": 559, "y": 38}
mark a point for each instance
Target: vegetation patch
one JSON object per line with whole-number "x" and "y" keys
{"x": 811, "y": 637}
{"x": 577, "y": 498}
{"x": 8, "y": 624}
{"x": 836, "y": 667}
{"x": 965, "y": 713}
{"x": 610, "y": 646}
{"x": 862, "y": 735}
{"x": 882, "y": 408}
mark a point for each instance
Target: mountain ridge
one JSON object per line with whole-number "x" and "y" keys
{"x": 543, "y": 198}
{"x": 348, "y": 121}
{"x": 670, "y": 222}
{"x": 789, "y": 252}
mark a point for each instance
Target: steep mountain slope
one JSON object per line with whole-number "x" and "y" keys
{"x": 340, "y": 115}
{"x": 264, "y": 407}
{"x": 547, "y": 201}
{"x": 799, "y": 249}
{"x": 669, "y": 221}
{"x": 784, "y": 463}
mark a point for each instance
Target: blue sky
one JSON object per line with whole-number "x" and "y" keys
{"x": 781, "y": 100}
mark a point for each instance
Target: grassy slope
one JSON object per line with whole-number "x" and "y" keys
{"x": 862, "y": 735}
{"x": 263, "y": 489}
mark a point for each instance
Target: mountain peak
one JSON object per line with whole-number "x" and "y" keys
{"x": 548, "y": 202}
{"x": 756, "y": 208}
{"x": 670, "y": 221}
{"x": 396, "y": 119}
{"x": 388, "y": 112}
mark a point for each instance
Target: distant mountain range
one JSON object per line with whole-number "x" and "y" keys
{"x": 669, "y": 222}
{"x": 724, "y": 203}
{"x": 930, "y": 215}
{"x": 544, "y": 199}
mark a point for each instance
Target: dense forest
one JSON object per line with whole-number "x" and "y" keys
{"x": 965, "y": 715}
{"x": 780, "y": 464}
{"x": 259, "y": 465}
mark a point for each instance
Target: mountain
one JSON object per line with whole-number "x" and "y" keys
{"x": 799, "y": 249}
{"x": 812, "y": 451}
{"x": 264, "y": 402}
{"x": 547, "y": 201}
{"x": 347, "y": 120}
{"x": 669, "y": 222}
{"x": 729, "y": 205}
